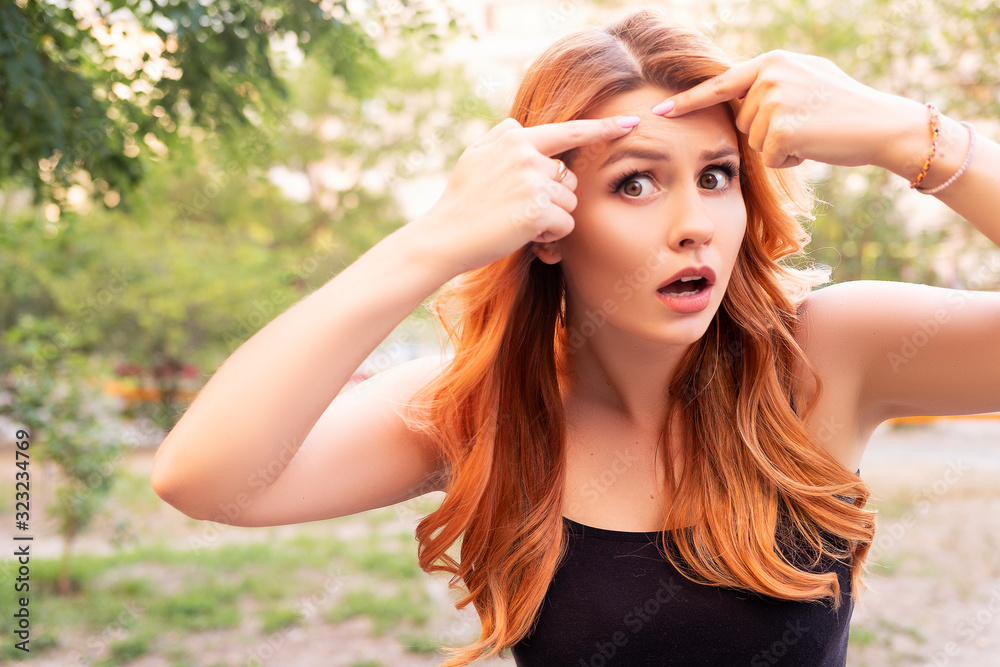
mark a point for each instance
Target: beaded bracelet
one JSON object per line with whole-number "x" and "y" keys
{"x": 935, "y": 131}
{"x": 961, "y": 170}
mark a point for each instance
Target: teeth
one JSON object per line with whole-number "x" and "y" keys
{"x": 680, "y": 294}
{"x": 687, "y": 279}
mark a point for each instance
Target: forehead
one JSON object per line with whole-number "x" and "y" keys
{"x": 705, "y": 129}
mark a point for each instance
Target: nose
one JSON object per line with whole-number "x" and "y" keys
{"x": 690, "y": 225}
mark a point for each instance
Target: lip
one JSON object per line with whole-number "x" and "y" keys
{"x": 705, "y": 272}
{"x": 689, "y": 304}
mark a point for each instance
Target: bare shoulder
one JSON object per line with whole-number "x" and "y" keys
{"x": 889, "y": 349}
{"x": 858, "y": 322}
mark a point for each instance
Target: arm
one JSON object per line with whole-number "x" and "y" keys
{"x": 269, "y": 441}
{"x": 932, "y": 351}
{"x": 975, "y": 195}
{"x": 905, "y": 349}
{"x": 247, "y": 423}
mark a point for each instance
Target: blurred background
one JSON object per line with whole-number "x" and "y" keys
{"x": 175, "y": 173}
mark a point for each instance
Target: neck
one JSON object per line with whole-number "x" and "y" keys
{"x": 627, "y": 379}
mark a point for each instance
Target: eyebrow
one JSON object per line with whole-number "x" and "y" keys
{"x": 658, "y": 155}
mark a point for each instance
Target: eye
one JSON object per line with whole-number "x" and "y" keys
{"x": 714, "y": 178}
{"x": 635, "y": 186}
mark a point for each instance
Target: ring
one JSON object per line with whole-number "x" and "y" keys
{"x": 563, "y": 170}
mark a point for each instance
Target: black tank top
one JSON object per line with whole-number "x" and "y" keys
{"x": 616, "y": 600}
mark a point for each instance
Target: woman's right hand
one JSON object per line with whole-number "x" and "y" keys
{"x": 504, "y": 192}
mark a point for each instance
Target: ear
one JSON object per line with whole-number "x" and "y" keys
{"x": 550, "y": 253}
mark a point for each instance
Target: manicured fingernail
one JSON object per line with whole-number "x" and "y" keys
{"x": 628, "y": 121}
{"x": 663, "y": 108}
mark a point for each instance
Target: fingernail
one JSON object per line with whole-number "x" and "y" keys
{"x": 663, "y": 108}
{"x": 628, "y": 121}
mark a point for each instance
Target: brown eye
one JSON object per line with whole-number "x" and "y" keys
{"x": 713, "y": 179}
{"x": 635, "y": 187}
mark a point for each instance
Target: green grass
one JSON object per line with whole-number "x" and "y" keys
{"x": 127, "y": 650}
{"x": 419, "y": 644}
{"x": 385, "y": 563}
{"x": 406, "y": 604}
{"x": 863, "y": 635}
{"x": 133, "y": 588}
{"x": 887, "y": 565}
{"x": 202, "y": 608}
{"x": 274, "y": 620}
{"x": 134, "y": 491}
{"x": 269, "y": 589}
{"x": 126, "y": 605}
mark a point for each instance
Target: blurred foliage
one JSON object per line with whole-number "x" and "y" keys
{"x": 925, "y": 50}
{"x": 79, "y": 433}
{"x": 87, "y": 94}
{"x": 267, "y": 158}
{"x": 228, "y": 230}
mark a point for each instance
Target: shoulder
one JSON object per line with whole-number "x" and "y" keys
{"x": 899, "y": 349}
{"x": 844, "y": 331}
{"x": 869, "y": 319}
{"x": 856, "y": 319}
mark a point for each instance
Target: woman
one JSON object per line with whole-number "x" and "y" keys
{"x": 650, "y": 430}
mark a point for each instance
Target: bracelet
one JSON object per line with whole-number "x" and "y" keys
{"x": 935, "y": 131}
{"x": 961, "y": 170}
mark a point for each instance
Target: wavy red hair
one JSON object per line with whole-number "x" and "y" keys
{"x": 496, "y": 411}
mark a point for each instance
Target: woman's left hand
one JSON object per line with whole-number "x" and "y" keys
{"x": 798, "y": 107}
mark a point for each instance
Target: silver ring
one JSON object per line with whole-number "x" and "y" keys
{"x": 563, "y": 170}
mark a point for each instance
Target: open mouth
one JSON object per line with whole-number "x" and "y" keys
{"x": 686, "y": 286}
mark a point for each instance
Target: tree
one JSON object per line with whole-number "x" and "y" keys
{"x": 80, "y": 435}
{"x": 208, "y": 245}
{"x": 210, "y": 248}
{"x": 87, "y": 99}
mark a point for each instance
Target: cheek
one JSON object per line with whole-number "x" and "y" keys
{"x": 731, "y": 224}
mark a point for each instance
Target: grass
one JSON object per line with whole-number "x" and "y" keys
{"x": 273, "y": 620}
{"x": 407, "y": 604}
{"x": 200, "y": 608}
{"x": 137, "y": 602}
{"x": 863, "y": 635}
{"x": 127, "y": 650}
{"x": 886, "y": 565}
{"x": 132, "y": 490}
{"x": 385, "y": 563}
{"x": 420, "y": 643}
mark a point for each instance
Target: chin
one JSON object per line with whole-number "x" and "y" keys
{"x": 687, "y": 335}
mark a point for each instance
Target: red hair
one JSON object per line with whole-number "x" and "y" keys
{"x": 496, "y": 412}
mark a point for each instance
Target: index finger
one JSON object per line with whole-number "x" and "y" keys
{"x": 732, "y": 84}
{"x": 555, "y": 138}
